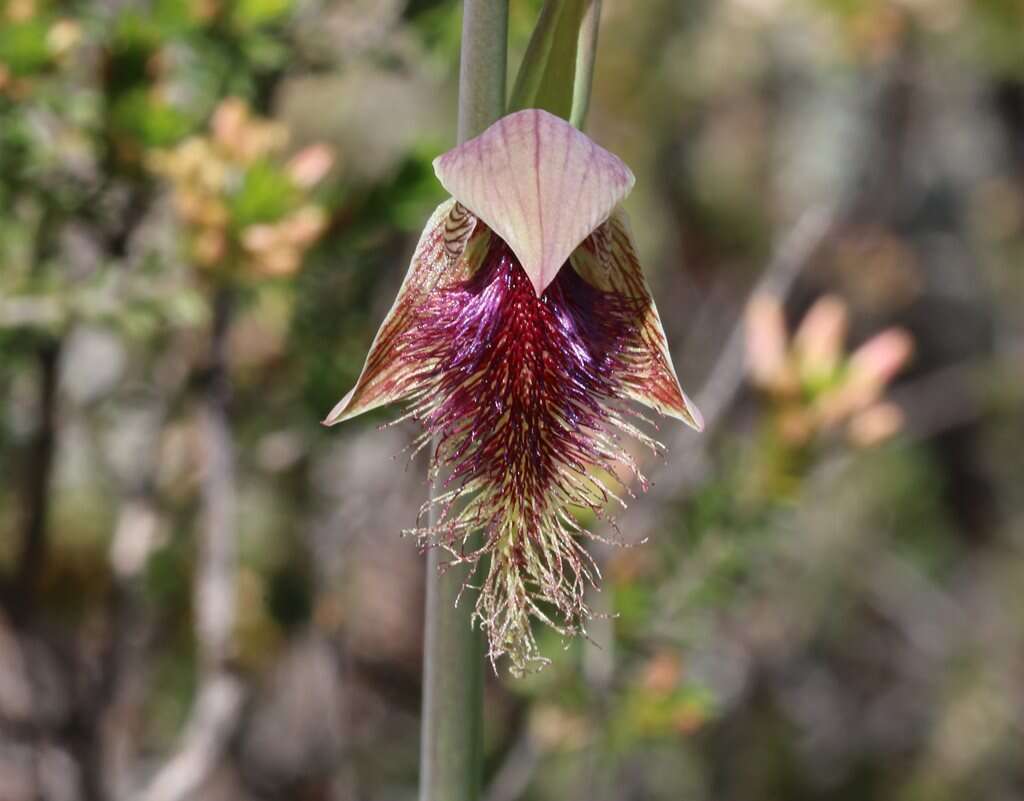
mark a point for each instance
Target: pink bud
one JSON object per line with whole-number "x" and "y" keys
{"x": 309, "y": 166}
{"x": 766, "y": 344}
{"x": 875, "y": 424}
{"x": 818, "y": 342}
{"x": 879, "y": 359}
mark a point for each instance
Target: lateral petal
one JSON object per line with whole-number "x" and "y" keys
{"x": 537, "y": 182}
{"x": 607, "y": 259}
{"x": 444, "y": 255}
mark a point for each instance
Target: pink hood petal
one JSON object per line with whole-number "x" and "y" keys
{"x": 538, "y": 183}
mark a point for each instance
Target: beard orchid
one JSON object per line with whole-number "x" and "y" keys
{"x": 521, "y": 339}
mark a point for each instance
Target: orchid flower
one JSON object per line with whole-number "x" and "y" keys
{"x": 522, "y": 331}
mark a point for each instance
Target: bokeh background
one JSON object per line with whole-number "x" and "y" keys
{"x": 206, "y": 208}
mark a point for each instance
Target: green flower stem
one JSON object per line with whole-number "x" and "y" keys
{"x": 483, "y": 65}
{"x": 586, "y": 51}
{"x": 450, "y": 745}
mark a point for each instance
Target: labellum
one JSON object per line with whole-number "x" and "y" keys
{"x": 521, "y": 339}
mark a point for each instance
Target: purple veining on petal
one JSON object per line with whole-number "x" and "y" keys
{"x": 525, "y": 396}
{"x": 522, "y": 393}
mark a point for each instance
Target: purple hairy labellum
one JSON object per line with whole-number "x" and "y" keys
{"x": 520, "y": 340}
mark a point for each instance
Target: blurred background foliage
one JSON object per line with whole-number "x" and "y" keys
{"x": 207, "y": 207}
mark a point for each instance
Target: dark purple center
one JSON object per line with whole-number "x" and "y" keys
{"x": 521, "y": 387}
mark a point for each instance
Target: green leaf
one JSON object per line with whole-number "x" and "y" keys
{"x": 149, "y": 120}
{"x": 265, "y": 196}
{"x": 250, "y": 14}
{"x": 23, "y": 47}
{"x": 548, "y": 71}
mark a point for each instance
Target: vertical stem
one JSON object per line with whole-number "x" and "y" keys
{"x": 450, "y": 744}
{"x": 483, "y": 65}
{"x": 37, "y": 476}
{"x": 217, "y": 708}
{"x": 20, "y": 596}
{"x": 586, "y": 52}
{"x": 217, "y": 565}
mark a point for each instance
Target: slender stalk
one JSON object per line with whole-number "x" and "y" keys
{"x": 483, "y": 65}
{"x": 216, "y": 572}
{"x": 38, "y": 471}
{"x": 219, "y": 700}
{"x": 586, "y": 52}
{"x": 37, "y": 478}
{"x": 450, "y": 745}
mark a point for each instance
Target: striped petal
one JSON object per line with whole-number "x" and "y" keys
{"x": 608, "y": 261}
{"x": 443, "y": 256}
{"x": 538, "y": 183}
